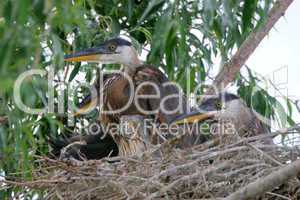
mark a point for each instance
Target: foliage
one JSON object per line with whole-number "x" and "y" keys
{"x": 184, "y": 37}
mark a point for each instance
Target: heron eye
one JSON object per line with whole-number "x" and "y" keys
{"x": 112, "y": 47}
{"x": 218, "y": 105}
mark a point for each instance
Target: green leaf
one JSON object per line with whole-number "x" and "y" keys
{"x": 153, "y": 6}
{"x": 74, "y": 71}
{"x": 248, "y": 13}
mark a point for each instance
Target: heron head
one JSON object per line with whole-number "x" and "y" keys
{"x": 212, "y": 106}
{"x": 229, "y": 107}
{"x": 113, "y": 51}
{"x": 221, "y": 101}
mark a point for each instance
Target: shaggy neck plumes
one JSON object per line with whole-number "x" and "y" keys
{"x": 129, "y": 59}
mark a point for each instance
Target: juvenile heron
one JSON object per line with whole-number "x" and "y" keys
{"x": 227, "y": 108}
{"x": 115, "y": 90}
{"x": 115, "y": 87}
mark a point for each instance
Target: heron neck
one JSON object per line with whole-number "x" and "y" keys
{"x": 131, "y": 68}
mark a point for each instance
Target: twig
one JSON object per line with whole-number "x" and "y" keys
{"x": 186, "y": 178}
{"x": 266, "y": 155}
{"x": 238, "y": 171}
{"x": 278, "y": 195}
{"x": 36, "y": 182}
{"x": 267, "y": 183}
{"x": 232, "y": 68}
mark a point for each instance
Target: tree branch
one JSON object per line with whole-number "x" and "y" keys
{"x": 231, "y": 69}
{"x": 267, "y": 183}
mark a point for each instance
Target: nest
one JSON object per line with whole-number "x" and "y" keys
{"x": 213, "y": 170}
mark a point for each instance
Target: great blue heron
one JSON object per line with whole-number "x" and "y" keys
{"x": 227, "y": 108}
{"x": 115, "y": 88}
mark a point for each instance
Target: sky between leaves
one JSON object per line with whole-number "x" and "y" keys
{"x": 277, "y": 57}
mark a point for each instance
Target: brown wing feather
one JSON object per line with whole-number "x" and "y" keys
{"x": 155, "y": 75}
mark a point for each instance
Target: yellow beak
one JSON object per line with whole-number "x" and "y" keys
{"x": 86, "y": 108}
{"x": 82, "y": 58}
{"x": 194, "y": 118}
{"x": 91, "y": 54}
